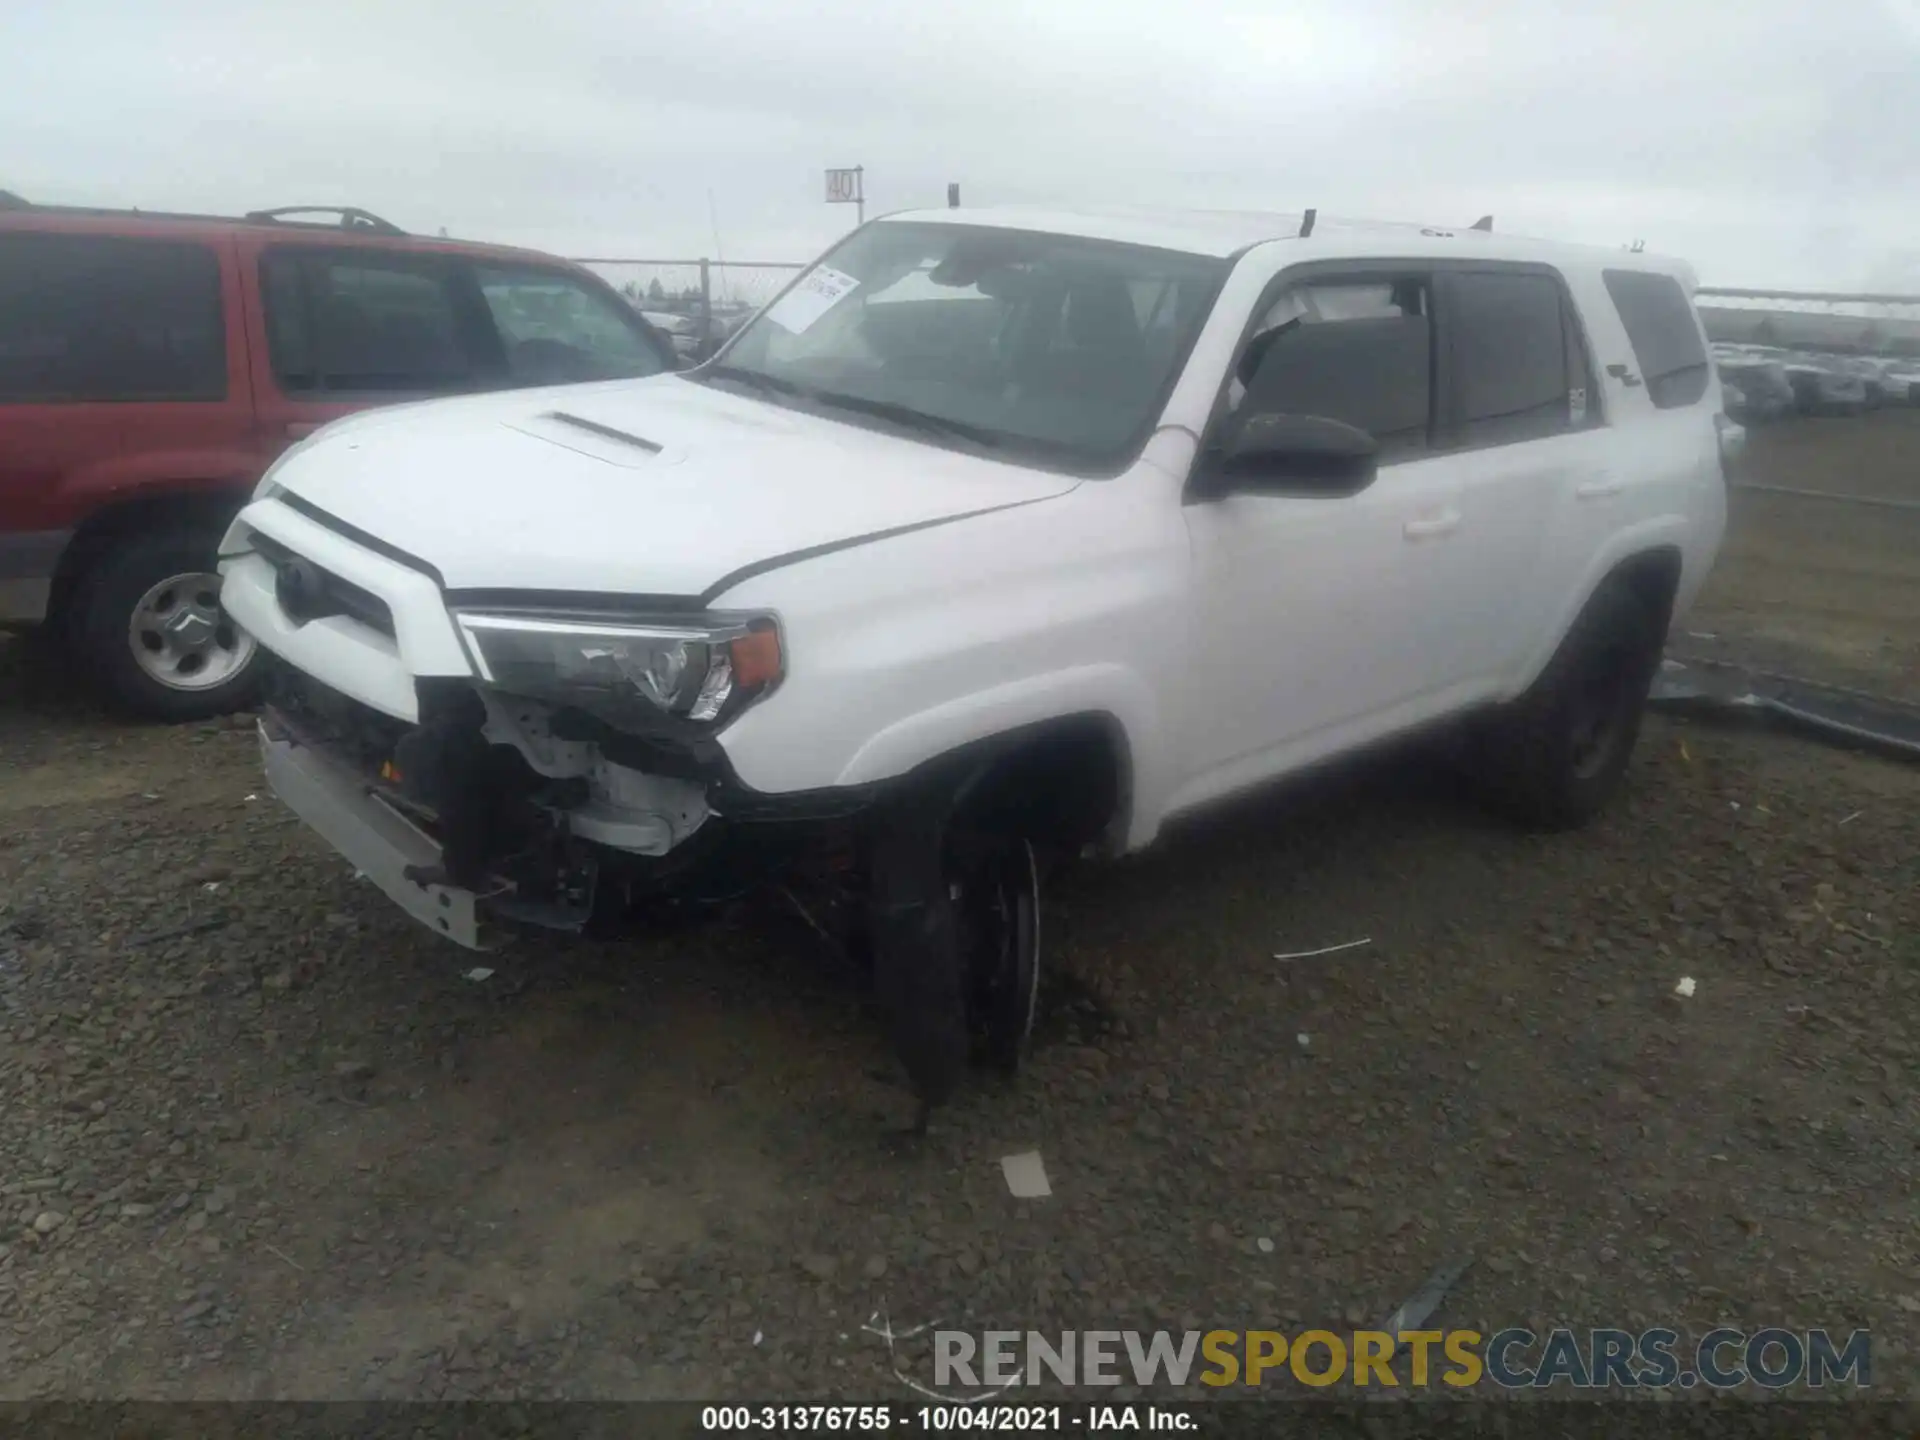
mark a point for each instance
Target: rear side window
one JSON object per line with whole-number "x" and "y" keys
{"x": 1355, "y": 351}
{"x": 1519, "y": 368}
{"x": 92, "y": 318}
{"x": 1666, "y": 340}
{"x": 363, "y": 324}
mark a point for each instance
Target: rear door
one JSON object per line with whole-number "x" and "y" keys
{"x": 1524, "y": 426}
{"x": 338, "y": 329}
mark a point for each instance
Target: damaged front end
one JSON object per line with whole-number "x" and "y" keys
{"x": 532, "y": 809}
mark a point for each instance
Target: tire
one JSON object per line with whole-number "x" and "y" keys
{"x": 214, "y": 670}
{"x": 1556, "y": 756}
{"x": 956, "y": 946}
{"x": 919, "y": 975}
{"x": 997, "y": 910}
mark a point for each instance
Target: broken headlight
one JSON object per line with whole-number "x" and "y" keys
{"x": 704, "y": 670}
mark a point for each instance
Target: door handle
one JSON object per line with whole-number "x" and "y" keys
{"x": 300, "y": 429}
{"x": 1598, "y": 489}
{"x": 1433, "y": 527}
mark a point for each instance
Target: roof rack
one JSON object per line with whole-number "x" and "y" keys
{"x": 1313, "y": 222}
{"x": 351, "y": 218}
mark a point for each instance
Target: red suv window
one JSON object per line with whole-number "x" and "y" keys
{"x": 92, "y": 318}
{"x": 360, "y": 322}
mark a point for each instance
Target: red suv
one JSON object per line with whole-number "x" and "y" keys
{"x": 152, "y": 366}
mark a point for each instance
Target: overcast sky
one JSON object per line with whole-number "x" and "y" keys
{"x": 1770, "y": 142}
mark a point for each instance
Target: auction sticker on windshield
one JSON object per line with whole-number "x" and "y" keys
{"x": 796, "y": 310}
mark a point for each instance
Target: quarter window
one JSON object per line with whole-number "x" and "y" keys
{"x": 1664, "y": 335}
{"x": 91, "y": 318}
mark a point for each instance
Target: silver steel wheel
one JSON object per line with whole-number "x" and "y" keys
{"x": 182, "y": 638}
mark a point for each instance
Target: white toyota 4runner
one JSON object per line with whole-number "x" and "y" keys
{"x": 997, "y": 535}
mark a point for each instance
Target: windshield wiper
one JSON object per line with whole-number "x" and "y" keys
{"x": 758, "y": 379}
{"x": 905, "y": 416}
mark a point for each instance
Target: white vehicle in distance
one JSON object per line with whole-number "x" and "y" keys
{"x": 998, "y": 536}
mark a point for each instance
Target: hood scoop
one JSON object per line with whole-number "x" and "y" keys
{"x": 590, "y": 437}
{"x": 605, "y": 432}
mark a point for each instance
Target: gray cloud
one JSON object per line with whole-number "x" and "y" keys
{"x": 1775, "y": 142}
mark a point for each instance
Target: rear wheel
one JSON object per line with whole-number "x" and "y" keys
{"x": 149, "y": 629}
{"x": 1557, "y": 755}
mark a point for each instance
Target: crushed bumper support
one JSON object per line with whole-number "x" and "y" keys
{"x": 380, "y": 842}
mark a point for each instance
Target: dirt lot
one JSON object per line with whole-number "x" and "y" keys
{"x": 260, "y": 1137}
{"x": 1819, "y": 587}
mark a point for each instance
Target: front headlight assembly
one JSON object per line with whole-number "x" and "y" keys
{"x": 704, "y": 669}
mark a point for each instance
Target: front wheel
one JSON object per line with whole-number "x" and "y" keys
{"x": 150, "y": 630}
{"x": 956, "y": 947}
{"x": 994, "y": 885}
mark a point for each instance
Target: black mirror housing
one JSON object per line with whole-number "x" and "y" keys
{"x": 1297, "y": 454}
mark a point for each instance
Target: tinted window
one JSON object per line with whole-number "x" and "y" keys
{"x": 1360, "y": 352}
{"x": 94, "y": 318}
{"x": 1666, "y": 341}
{"x": 555, "y": 329}
{"x": 1511, "y": 346}
{"x": 363, "y": 323}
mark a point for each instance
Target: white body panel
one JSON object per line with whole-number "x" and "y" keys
{"x": 494, "y": 492}
{"x": 1228, "y": 642}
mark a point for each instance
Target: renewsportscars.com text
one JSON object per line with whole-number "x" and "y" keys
{"x": 1512, "y": 1359}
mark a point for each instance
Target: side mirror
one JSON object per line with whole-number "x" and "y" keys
{"x": 1295, "y": 454}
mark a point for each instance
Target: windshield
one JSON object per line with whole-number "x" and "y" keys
{"x": 1061, "y": 347}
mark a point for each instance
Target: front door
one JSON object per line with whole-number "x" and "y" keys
{"x": 1318, "y": 612}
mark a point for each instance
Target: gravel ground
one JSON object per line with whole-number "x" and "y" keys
{"x": 259, "y": 1137}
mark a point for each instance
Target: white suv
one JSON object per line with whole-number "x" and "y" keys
{"x": 998, "y": 534}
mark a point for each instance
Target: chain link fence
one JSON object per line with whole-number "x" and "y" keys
{"x": 712, "y": 297}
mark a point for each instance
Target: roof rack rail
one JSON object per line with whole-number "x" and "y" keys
{"x": 351, "y": 218}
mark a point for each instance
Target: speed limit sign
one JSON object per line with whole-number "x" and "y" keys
{"x": 843, "y": 187}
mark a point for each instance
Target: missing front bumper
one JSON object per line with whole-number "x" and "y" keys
{"x": 381, "y": 843}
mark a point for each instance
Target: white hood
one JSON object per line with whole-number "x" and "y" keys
{"x": 646, "y": 487}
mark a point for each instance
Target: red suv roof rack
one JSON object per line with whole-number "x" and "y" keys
{"x": 351, "y": 218}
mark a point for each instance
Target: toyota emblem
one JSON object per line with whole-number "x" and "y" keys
{"x": 300, "y": 587}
